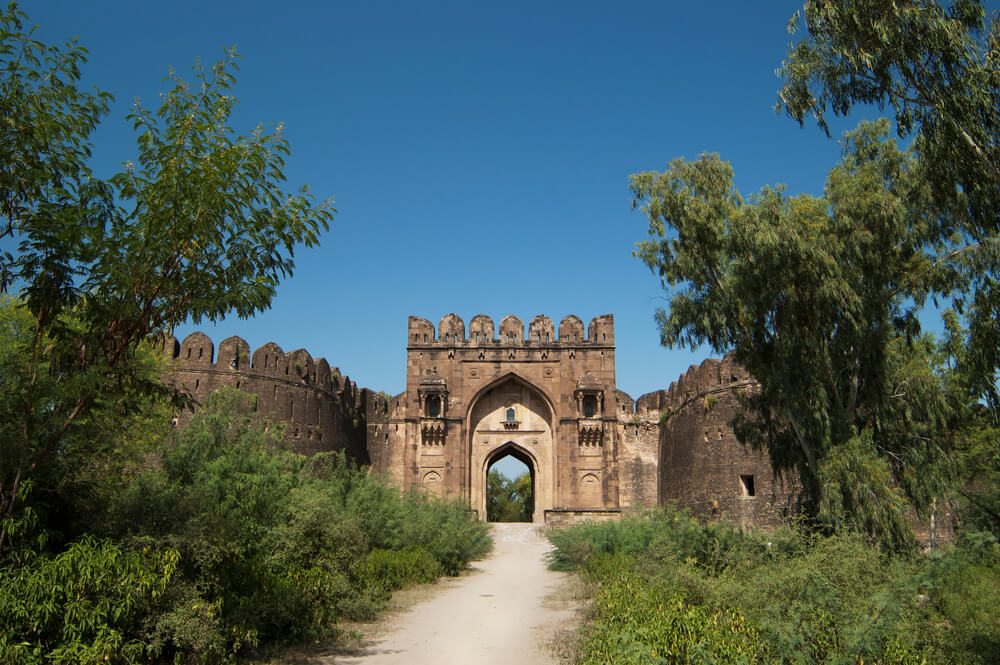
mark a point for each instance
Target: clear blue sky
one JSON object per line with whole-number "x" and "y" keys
{"x": 479, "y": 153}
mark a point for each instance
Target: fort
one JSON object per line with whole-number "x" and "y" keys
{"x": 545, "y": 395}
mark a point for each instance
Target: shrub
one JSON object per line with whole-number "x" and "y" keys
{"x": 276, "y": 547}
{"x": 670, "y": 589}
{"x": 638, "y": 622}
{"x": 85, "y": 605}
{"x": 384, "y": 571}
{"x": 962, "y": 607}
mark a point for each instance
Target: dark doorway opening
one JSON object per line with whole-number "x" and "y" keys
{"x": 510, "y": 486}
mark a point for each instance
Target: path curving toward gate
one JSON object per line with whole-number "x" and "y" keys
{"x": 496, "y": 615}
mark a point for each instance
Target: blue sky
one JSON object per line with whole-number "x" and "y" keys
{"x": 479, "y": 153}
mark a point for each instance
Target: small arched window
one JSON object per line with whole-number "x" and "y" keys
{"x": 510, "y": 415}
{"x": 433, "y": 406}
{"x": 589, "y": 406}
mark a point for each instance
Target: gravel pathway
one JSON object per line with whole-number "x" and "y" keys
{"x": 496, "y": 615}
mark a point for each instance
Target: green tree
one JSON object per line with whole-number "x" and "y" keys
{"x": 816, "y": 297}
{"x": 91, "y": 453}
{"x": 198, "y": 227}
{"x": 937, "y": 66}
{"x": 508, "y": 500}
{"x": 47, "y": 119}
{"x": 524, "y": 490}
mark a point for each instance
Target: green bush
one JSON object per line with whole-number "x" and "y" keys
{"x": 85, "y": 605}
{"x": 664, "y": 534}
{"x": 783, "y": 596}
{"x": 638, "y": 622}
{"x": 388, "y": 570}
{"x": 838, "y": 600}
{"x": 962, "y": 607}
{"x": 276, "y": 547}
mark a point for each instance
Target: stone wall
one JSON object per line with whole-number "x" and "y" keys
{"x": 594, "y": 451}
{"x": 385, "y": 441}
{"x": 321, "y": 410}
{"x": 639, "y": 455}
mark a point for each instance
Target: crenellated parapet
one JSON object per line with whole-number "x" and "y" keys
{"x": 713, "y": 377}
{"x": 541, "y": 331}
{"x": 320, "y": 409}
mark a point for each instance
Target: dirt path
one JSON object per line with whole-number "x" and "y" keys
{"x": 502, "y": 613}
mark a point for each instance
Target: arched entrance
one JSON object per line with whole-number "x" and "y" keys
{"x": 511, "y": 416}
{"x": 525, "y": 512}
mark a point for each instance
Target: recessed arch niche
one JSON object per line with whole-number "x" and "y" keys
{"x": 431, "y": 482}
{"x": 529, "y": 436}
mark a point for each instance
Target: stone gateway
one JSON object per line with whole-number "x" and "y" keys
{"x": 544, "y": 395}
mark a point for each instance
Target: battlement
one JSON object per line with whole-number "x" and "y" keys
{"x": 482, "y": 331}
{"x": 711, "y": 376}
{"x": 269, "y": 361}
{"x": 321, "y": 410}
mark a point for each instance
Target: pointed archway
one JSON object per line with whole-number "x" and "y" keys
{"x": 511, "y": 449}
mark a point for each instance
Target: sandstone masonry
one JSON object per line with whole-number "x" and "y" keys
{"x": 321, "y": 410}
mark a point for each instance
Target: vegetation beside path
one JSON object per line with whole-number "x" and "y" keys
{"x": 668, "y": 588}
{"x": 214, "y": 540}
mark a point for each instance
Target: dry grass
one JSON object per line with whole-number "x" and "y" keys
{"x": 573, "y": 595}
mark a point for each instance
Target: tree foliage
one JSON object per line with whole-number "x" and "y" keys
{"x": 47, "y": 121}
{"x": 817, "y": 298}
{"x": 937, "y": 67}
{"x": 196, "y": 228}
{"x": 509, "y": 500}
{"x": 82, "y": 605}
